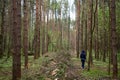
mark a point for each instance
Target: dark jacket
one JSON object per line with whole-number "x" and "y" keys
{"x": 83, "y": 55}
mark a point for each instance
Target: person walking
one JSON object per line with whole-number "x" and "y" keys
{"x": 83, "y": 58}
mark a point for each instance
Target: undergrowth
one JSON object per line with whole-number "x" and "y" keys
{"x": 61, "y": 63}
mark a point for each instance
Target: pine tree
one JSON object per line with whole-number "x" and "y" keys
{"x": 25, "y": 33}
{"x": 113, "y": 37}
{"x": 16, "y": 39}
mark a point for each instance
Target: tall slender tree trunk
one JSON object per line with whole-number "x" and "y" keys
{"x": 16, "y": 39}
{"x": 85, "y": 45}
{"x": 61, "y": 33}
{"x": 2, "y": 28}
{"x": 97, "y": 43}
{"x": 55, "y": 16}
{"x": 86, "y": 35}
{"x": 77, "y": 27}
{"x": 90, "y": 33}
{"x": 81, "y": 29}
{"x": 43, "y": 28}
{"x": 29, "y": 8}
{"x": 31, "y": 30}
{"x": 110, "y": 47}
{"x": 96, "y": 27}
{"x": 47, "y": 35}
{"x": 97, "y": 36}
{"x": 37, "y": 33}
{"x": 25, "y": 33}
{"x": 113, "y": 37}
{"x": 69, "y": 31}
{"x": 104, "y": 32}
{"x": 10, "y": 29}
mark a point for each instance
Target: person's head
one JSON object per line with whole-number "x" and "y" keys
{"x": 83, "y": 51}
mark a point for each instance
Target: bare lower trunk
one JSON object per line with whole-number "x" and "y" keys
{"x": 113, "y": 37}
{"x": 37, "y": 33}
{"x": 77, "y": 27}
{"x": 2, "y": 27}
{"x": 16, "y": 39}
{"x": 90, "y": 33}
{"x": 25, "y": 35}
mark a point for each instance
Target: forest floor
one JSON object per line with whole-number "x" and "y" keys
{"x": 62, "y": 65}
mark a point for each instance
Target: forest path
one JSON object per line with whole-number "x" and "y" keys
{"x": 63, "y": 65}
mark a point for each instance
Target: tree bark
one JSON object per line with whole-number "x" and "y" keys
{"x": 2, "y": 27}
{"x": 96, "y": 29}
{"x": 81, "y": 28}
{"x": 47, "y": 35}
{"x": 90, "y": 32}
{"x": 43, "y": 28}
{"x": 77, "y": 27}
{"x": 104, "y": 31}
{"x": 85, "y": 45}
{"x": 113, "y": 37}
{"x": 37, "y": 33}
{"x": 69, "y": 31}
{"x": 16, "y": 39}
{"x": 47, "y": 40}
{"x": 25, "y": 33}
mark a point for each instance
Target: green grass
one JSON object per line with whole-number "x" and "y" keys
{"x": 94, "y": 74}
{"x": 118, "y": 57}
{"x": 100, "y": 63}
{"x": 75, "y": 59}
{"x": 5, "y": 63}
{"x": 119, "y": 74}
{"x": 34, "y": 65}
{"x": 98, "y": 70}
{"x": 8, "y": 63}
